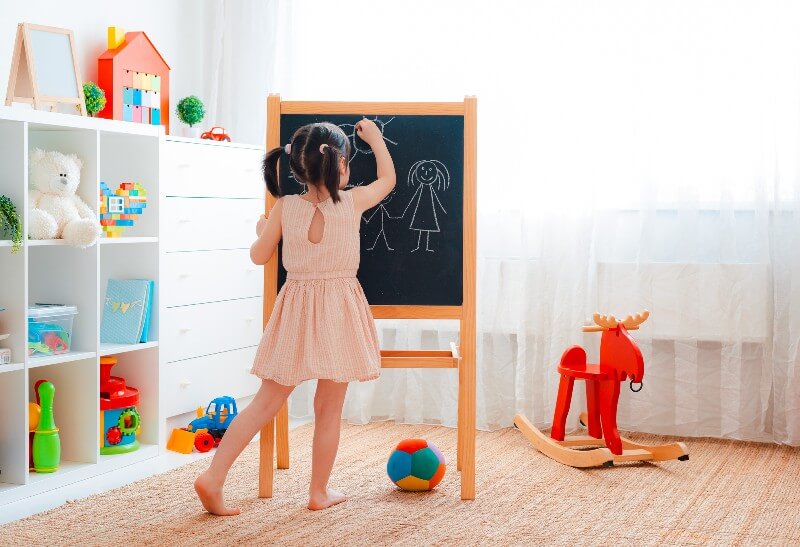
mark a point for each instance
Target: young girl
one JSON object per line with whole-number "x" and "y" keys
{"x": 321, "y": 326}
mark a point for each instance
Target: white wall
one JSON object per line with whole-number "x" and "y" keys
{"x": 178, "y": 28}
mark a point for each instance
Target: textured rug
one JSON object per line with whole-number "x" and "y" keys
{"x": 728, "y": 493}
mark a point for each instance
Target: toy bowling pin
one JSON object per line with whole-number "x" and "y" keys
{"x": 46, "y": 441}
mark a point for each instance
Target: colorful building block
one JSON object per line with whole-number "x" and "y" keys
{"x": 119, "y": 209}
{"x": 145, "y": 115}
{"x": 127, "y": 113}
{"x": 127, "y": 95}
{"x": 155, "y": 116}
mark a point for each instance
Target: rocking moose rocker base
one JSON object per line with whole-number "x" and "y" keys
{"x": 620, "y": 359}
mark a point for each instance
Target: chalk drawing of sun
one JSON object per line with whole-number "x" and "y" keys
{"x": 357, "y": 145}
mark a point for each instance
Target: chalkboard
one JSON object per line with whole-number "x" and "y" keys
{"x": 412, "y": 243}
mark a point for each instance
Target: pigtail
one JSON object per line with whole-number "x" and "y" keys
{"x": 330, "y": 172}
{"x": 270, "y": 169}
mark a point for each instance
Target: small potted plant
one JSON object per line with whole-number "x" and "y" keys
{"x": 94, "y": 97}
{"x": 190, "y": 111}
{"x": 10, "y": 224}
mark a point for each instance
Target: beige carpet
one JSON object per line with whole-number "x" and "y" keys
{"x": 728, "y": 493}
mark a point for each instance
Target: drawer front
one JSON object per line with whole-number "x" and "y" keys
{"x": 209, "y": 276}
{"x": 194, "y": 382}
{"x": 208, "y": 170}
{"x": 194, "y": 331}
{"x": 194, "y": 224}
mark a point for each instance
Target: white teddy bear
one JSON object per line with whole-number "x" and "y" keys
{"x": 55, "y": 210}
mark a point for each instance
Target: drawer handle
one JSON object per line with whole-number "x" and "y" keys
{"x": 184, "y": 220}
{"x": 252, "y": 270}
{"x": 184, "y": 275}
{"x": 249, "y": 319}
{"x": 185, "y": 330}
{"x": 184, "y": 165}
{"x": 185, "y": 383}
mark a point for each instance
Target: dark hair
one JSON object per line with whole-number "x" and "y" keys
{"x": 309, "y": 165}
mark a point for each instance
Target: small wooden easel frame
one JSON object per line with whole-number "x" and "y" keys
{"x": 25, "y": 84}
{"x": 462, "y": 357}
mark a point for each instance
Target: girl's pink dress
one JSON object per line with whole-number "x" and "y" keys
{"x": 321, "y": 326}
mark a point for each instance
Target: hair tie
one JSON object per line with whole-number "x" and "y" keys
{"x": 288, "y": 149}
{"x": 322, "y": 148}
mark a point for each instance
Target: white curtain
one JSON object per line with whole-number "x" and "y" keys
{"x": 631, "y": 155}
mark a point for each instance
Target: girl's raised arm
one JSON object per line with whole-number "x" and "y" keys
{"x": 269, "y": 234}
{"x": 365, "y": 197}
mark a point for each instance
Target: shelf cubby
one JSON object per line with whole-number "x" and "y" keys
{"x": 67, "y": 276}
{"x": 75, "y": 410}
{"x": 123, "y": 162}
{"x": 14, "y": 433}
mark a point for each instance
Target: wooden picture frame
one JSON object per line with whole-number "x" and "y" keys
{"x": 26, "y": 82}
{"x": 275, "y": 435}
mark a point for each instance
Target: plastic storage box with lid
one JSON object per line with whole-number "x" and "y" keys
{"x": 119, "y": 419}
{"x": 50, "y": 329}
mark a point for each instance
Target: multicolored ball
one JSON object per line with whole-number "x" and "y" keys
{"x": 416, "y": 465}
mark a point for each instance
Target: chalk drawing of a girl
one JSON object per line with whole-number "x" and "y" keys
{"x": 428, "y": 176}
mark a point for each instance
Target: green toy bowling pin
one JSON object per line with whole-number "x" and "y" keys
{"x": 46, "y": 442}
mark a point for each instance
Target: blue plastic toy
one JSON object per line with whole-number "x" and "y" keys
{"x": 218, "y": 417}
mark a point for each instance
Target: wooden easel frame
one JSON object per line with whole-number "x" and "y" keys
{"x": 462, "y": 357}
{"x": 22, "y": 46}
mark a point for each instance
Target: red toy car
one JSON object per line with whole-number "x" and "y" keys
{"x": 216, "y": 134}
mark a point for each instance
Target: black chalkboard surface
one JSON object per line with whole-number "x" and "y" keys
{"x": 411, "y": 244}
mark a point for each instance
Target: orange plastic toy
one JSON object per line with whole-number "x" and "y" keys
{"x": 620, "y": 360}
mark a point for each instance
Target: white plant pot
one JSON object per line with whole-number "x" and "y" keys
{"x": 191, "y": 132}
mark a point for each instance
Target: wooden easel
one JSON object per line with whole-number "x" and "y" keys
{"x": 23, "y": 83}
{"x": 462, "y": 357}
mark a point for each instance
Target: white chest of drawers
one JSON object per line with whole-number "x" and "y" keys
{"x": 211, "y": 293}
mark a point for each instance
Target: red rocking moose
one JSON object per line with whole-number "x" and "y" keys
{"x": 620, "y": 360}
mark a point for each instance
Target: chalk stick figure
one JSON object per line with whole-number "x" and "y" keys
{"x": 381, "y": 208}
{"x": 424, "y": 175}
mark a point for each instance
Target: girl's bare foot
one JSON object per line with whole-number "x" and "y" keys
{"x": 324, "y": 500}
{"x": 210, "y": 494}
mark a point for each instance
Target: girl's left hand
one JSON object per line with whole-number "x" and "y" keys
{"x": 262, "y": 221}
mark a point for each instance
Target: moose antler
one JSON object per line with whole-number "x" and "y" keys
{"x": 632, "y": 322}
{"x": 605, "y": 322}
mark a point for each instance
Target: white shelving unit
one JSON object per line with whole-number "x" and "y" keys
{"x": 49, "y": 271}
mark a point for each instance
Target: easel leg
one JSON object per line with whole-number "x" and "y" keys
{"x": 282, "y": 436}
{"x": 460, "y": 424}
{"x": 266, "y": 445}
{"x": 468, "y": 426}
{"x": 592, "y": 409}
{"x": 562, "y": 407}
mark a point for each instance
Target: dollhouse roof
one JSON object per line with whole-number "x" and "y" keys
{"x": 133, "y": 40}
